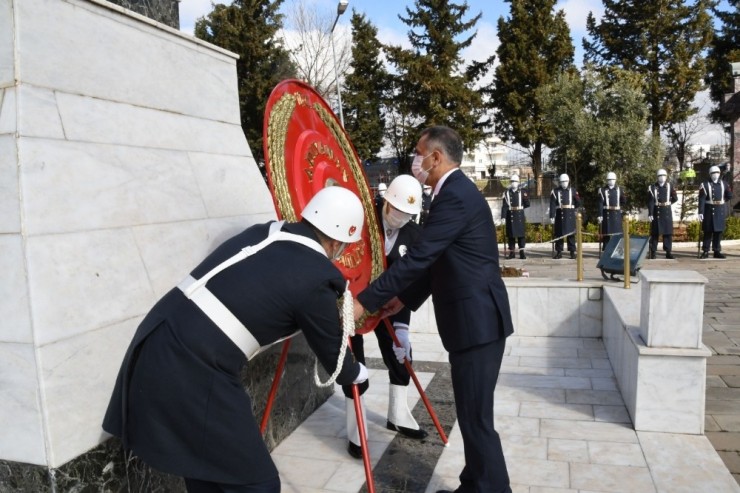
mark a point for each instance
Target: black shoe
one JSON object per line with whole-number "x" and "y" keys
{"x": 669, "y": 256}
{"x": 445, "y": 491}
{"x": 719, "y": 255}
{"x": 572, "y": 255}
{"x": 419, "y": 434}
{"x": 354, "y": 450}
{"x": 521, "y": 255}
{"x": 704, "y": 255}
{"x": 558, "y": 255}
{"x": 511, "y": 254}
{"x": 651, "y": 255}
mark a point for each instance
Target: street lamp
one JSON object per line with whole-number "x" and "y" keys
{"x": 341, "y": 7}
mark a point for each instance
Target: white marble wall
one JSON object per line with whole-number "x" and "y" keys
{"x": 541, "y": 308}
{"x": 662, "y": 387}
{"x": 122, "y": 163}
{"x": 672, "y": 308}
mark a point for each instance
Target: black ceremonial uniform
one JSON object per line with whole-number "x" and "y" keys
{"x": 660, "y": 199}
{"x": 178, "y": 402}
{"x": 563, "y": 205}
{"x": 512, "y": 210}
{"x": 397, "y": 372}
{"x": 611, "y": 203}
{"x": 713, "y": 198}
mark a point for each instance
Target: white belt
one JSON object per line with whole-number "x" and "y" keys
{"x": 197, "y": 292}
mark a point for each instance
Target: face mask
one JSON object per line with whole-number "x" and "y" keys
{"x": 416, "y": 169}
{"x": 514, "y": 185}
{"x": 394, "y": 218}
{"x": 611, "y": 183}
{"x": 661, "y": 180}
{"x": 714, "y": 177}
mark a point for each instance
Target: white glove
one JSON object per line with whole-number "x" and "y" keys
{"x": 402, "y": 334}
{"x": 650, "y": 218}
{"x": 552, "y": 220}
{"x": 701, "y": 217}
{"x": 599, "y": 219}
{"x": 362, "y": 376}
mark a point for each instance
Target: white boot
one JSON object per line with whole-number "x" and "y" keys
{"x": 399, "y": 414}
{"x": 353, "y": 433}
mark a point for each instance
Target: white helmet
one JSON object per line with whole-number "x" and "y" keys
{"x": 404, "y": 193}
{"x": 564, "y": 178}
{"x": 662, "y": 172}
{"x": 382, "y": 187}
{"x": 714, "y": 169}
{"x": 611, "y": 175}
{"x": 514, "y": 178}
{"x": 336, "y": 212}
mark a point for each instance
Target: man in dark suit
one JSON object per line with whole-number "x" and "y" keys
{"x": 178, "y": 403}
{"x": 402, "y": 200}
{"x": 455, "y": 259}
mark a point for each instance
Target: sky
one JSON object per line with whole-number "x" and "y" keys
{"x": 383, "y": 14}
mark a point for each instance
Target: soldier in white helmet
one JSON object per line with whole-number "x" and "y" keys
{"x": 611, "y": 202}
{"x": 661, "y": 195}
{"x": 426, "y": 203}
{"x": 382, "y": 187}
{"x": 178, "y": 403}
{"x": 402, "y": 201}
{"x": 515, "y": 200}
{"x": 564, "y": 200}
{"x": 714, "y": 195}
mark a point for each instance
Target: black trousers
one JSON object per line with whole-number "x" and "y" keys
{"x": 397, "y": 373}
{"x": 667, "y": 242}
{"x": 199, "y": 486}
{"x": 513, "y": 241}
{"x": 715, "y": 237}
{"x": 571, "y": 239}
{"x": 474, "y": 375}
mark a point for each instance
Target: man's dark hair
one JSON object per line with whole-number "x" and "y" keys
{"x": 445, "y": 139}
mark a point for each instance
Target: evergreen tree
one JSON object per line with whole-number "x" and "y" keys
{"x": 600, "y": 126}
{"x": 249, "y": 28}
{"x": 725, "y": 49}
{"x": 535, "y": 49}
{"x": 364, "y": 90}
{"x": 663, "y": 41}
{"x": 433, "y": 85}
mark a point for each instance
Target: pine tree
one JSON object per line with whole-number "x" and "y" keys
{"x": 433, "y": 86}
{"x": 249, "y": 29}
{"x": 725, "y": 49}
{"x": 365, "y": 89}
{"x": 663, "y": 41}
{"x": 535, "y": 49}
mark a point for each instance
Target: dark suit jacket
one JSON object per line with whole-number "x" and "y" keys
{"x": 455, "y": 259}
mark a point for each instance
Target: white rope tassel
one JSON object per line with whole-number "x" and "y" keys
{"x": 348, "y": 330}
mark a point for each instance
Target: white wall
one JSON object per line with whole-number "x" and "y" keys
{"x": 122, "y": 163}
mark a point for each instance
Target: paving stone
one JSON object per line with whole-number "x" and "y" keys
{"x": 715, "y": 381}
{"x": 710, "y": 423}
{"x": 725, "y": 441}
{"x": 723, "y": 370}
{"x": 732, "y": 380}
{"x": 723, "y": 360}
{"x": 725, "y": 394}
{"x": 728, "y": 422}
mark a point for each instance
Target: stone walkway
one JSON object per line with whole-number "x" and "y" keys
{"x": 563, "y": 423}
{"x": 721, "y": 330}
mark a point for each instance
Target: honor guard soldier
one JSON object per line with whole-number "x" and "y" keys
{"x": 402, "y": 201}
{"x": 514, "y": 202}
{"x": 564, "y": 201}
{"x": 611, "y": 203}
{"x": 660, "y": 197}
{"x": 713, "y": 195}
{"x": 426, "y": 203}
{"x": 382, "y": 187}
{"x": 178, "y": 403}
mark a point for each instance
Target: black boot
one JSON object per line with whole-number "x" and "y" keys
{"x": 521, "y": 255}
{"x": 558, "y": 255}
{"x": 511, "y": 254}
{"x": 651, "y": 255}
{"x": 704, "y": 254}
{"x": 669, "y": 256}
{"x": 572, "y": 255}
{"x": 718, "y": 254}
